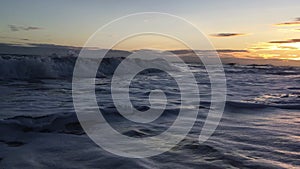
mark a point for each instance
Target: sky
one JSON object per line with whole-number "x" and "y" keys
{"x": 268, "y": 29}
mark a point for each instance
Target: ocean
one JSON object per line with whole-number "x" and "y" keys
{"x": 259, "y": 128}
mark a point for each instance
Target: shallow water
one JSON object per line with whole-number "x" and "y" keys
{"x": 259, "y": 129}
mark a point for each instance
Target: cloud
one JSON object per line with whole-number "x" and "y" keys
{"x": 258, "y": 48}
{"x": 180, "y": 52}
{"x": 232, "y": 50}
{"x": 286, "y": 41}
{"x": 288, "y": 47}
{"x": 52, "y": 46}
{"x": 220, "y": 35}
{"x": 295, "y": 22}
{"x": 13, "y": 38}
{"x": 15, "y": 28}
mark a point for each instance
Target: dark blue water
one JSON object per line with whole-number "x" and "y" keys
{"x": 259, "y": 128}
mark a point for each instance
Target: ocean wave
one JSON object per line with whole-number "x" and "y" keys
{"x": 262, "y": 69}
{"x": 61, "y": 67}
{"x": 60, "y": 123}
{"x": 250, "y": 105}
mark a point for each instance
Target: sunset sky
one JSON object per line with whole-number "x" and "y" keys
{"x": 252, "y": 29}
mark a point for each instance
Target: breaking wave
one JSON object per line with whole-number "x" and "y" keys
{"x": 61, "y": 67}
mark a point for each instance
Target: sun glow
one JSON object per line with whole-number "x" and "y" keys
{"x": 295, "y": 46}
{"x": 284, "y": 51}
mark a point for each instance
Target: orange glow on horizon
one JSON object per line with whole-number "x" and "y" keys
{"x": 284, "y": 51}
